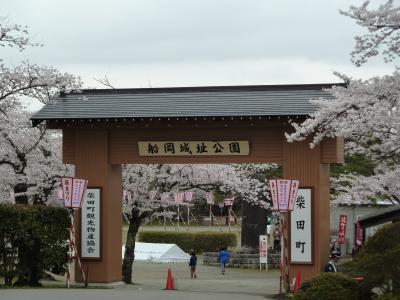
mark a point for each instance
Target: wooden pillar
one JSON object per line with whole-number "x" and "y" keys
{"x": 301, "y": 162}
{"x": 91, "y": 159}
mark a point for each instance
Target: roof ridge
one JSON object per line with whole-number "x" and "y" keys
{"x": 233, "y": 88}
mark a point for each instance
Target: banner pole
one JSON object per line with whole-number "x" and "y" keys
{"x": 165, "y": 225}
{"x": 70, "y": 247}
{"x": 210, "y": 216}
{"x": 229, "y": 218}
{"x": 282, "y": 287}
{"x": 284, "y": 259}
{"x": 188, "y": 212}
{"x": 178, "y": 217}
{"x": 266, "y": 265}
{"x": 286, "y": 253}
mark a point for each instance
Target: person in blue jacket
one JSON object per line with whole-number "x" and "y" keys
{"x": 223, "y": 258}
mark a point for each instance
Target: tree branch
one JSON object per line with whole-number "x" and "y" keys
{"x": 104, "y": 81}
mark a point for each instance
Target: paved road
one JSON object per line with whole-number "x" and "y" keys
{"x": 151, "y": 278}
{"x": 245, "y": 281}
{"x": 118, "y": 294}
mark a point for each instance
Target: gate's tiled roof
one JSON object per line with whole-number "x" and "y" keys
{"x": 218, "y": 101}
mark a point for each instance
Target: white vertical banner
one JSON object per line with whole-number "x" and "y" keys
{"x": 264, "y": 251}
{"x": 283, "y": 189}
{"x": 294, "y": 187}
{"x": 301, "y": 228}
{"x": 78, "y": 188}
{"x": 283, "y": 193}
{"x": 90, "y": 224}
{"x": 188, "y": 196}
{"x": 274, "y": 194}
{"x": 66, "y": 183}
{"x": 179, "y": 196}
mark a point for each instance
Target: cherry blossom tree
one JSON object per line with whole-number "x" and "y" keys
{"x": 14, "y": 35}
{"x": 29, "y": 157}
{"x": 383, "y": 25}
{"x": 145, "y": 185}
{"x": 364, "y": 112}
{"x": 41, "y": 83}
{"x": 253, "y": 183}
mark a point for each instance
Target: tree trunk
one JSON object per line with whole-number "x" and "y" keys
{"x": 29, "y": 268}
{"x": 395, "y": 285}
{"x": 21, "y": 188}
{"x": 129, "y": 255}
{"x": 254, "y": 224}
{"x": 8, "y": 263}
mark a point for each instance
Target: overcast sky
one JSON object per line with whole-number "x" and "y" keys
{"x": 192, "y": 43}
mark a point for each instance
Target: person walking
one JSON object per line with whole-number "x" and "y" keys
{"x": 192, "y": 265}
{"x": 223, "y": 258}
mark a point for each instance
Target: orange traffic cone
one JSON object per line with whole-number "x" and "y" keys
{"x": 170, "y": 281}
{"x": 297, "y": 282}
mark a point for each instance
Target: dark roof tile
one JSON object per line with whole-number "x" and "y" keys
{"x": 235, "y": 101}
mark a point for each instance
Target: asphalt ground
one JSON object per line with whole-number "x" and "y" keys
{"x": 209, "y": 278}
{"x": 150, "y": 281}
{"x": 118, "y": 294}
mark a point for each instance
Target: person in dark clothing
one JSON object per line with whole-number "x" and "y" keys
{"x": 355, "y": 250}
{"x": 277, "y": 241}
{"x": 331, "y": 266}
{"x": 192, "y": 265}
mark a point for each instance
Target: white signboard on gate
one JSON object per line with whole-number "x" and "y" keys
{"x": 90, "y": 224}
{"x": 300, "y": 228}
